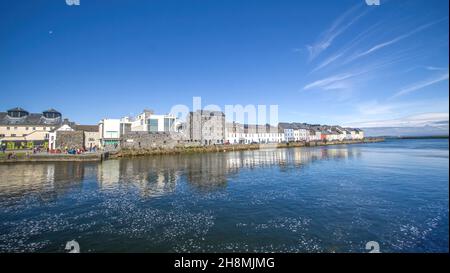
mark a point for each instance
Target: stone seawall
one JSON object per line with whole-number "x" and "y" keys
{"x": 124, "y": 152}
{"x": 55, "y": 158}
{"x": 152, "y": 140}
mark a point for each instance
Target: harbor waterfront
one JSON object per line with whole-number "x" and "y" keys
{"x": 150, "y": 133}
{"x": 332, "y": 198}
{"x": 101, "y": 155}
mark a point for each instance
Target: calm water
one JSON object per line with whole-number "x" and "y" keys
{"x": 324, "y": 199}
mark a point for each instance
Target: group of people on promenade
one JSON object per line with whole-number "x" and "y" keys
{"x": 13, "y": 154}
{"x": 77, "y": 151}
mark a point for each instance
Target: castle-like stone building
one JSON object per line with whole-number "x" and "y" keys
{"x": 206, "y": 127}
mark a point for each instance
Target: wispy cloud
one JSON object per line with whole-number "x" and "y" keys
{"x": 375, "y": 110}
{"x": 328, "y": 83}
{"x": 435, "y": 68}
{"x": 327, "y": 62}
{"x": 393, "y": 41}
{"x": 347, "y": 79}
{"x": 341, "y": 24}
{"x": 350, "y": 45}
{"x": 420, "y": 85}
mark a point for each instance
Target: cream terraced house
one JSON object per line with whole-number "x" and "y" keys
{"x": 22, "y": 129}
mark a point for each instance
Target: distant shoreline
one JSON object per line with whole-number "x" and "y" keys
{"x": 415, "y": 137}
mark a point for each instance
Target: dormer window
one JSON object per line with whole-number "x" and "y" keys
{"x": 17, "y": 113}
{"x": 51, "y": 114}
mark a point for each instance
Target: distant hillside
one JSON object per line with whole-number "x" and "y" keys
{"x": 441, "y": 129}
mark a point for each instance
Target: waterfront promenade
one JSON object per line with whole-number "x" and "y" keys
{"x": 104, "y": 155}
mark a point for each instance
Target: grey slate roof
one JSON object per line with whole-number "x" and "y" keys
{"x": 31, "y": 119}
{"x": 17, "y": 109}
{"x": 325, "y": 129}
{"x": 51, "y": 110}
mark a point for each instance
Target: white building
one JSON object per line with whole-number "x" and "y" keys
{"x": 112, "y": 129}
{"x": 342, "y": 133}
{"x": 301, "y": 134}
{"x": 359, "y": 134}
{"x": 288, "y": 134}
{"x": 271, "y": 137}
{"x": 236, "y": 133}
{"x": 147, "y": 121}
{"x": 52, "y": 136}
{"x": 314, "y": 135}
{"x": 348, "y": 133}
{"x": 294, "y": 132}
{"x": 354, "y": 134}
{"x": 331, "y": 135}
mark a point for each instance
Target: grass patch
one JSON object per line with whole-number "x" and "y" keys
{"x": 18, "y": 155}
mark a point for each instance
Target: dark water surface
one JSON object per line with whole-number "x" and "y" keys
{"x": 323, "y": 199}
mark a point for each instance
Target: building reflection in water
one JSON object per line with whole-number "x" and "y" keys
{"x": 45, "y": 180}
{"x": 157, "y": 175}
{"x": 207, "y": 172}
{"x": 286, "y": 157}
{"x": 153, "y": 176}
{"x": 108, "y": 174}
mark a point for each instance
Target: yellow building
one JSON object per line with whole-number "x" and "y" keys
{"x": 20, "y": 129}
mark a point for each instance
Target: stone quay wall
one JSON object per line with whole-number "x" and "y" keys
{"x": 69, "y": 139}
{"x": 153, "y": 140}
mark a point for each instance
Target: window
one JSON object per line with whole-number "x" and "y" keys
{"x": 153, "y": 125}
{"x": 110, "y": 142}
{"x": 8, "y": 128}
{"x": 168, "y": 122}
{"x": 13, "y": 135}
{"x": 34, "y": 128}
{"x": 26, "y": 128}
{"x": 125, "y": 128}
{"x": 112, "y": 134}
{"x": 24, "y": 135}
{"x": 2, "y": 135}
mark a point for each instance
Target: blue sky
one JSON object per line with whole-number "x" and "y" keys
{"x": 325, "y": 61}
